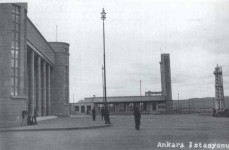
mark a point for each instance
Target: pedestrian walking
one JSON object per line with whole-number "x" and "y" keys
{"x": 29, "y": 119}
{"x": 137, "y": 118}
{"x": 24, "y": 117}
{"x": 93, "y": 114}
{"x": 214, "y": 112}
{"x": 107, "y": 116}
{"x": 102, "y": 113}
{"x": 34, "y": 118}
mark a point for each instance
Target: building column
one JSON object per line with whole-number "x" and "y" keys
{"x": 39, "y": 107}
{"x": 149, "y": 107}
{"x": 48, "y": 91}
{"x": 44, "y": 89}
{"x": 31, "y": 83}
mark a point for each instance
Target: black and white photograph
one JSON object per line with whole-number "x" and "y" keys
{"x": 114, "y": 74}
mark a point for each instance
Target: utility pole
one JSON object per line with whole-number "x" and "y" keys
{"x": 103, "y": 17}
{"x": 103, "y": 85}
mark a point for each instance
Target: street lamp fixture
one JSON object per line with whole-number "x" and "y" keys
{"x": 103, "y": 14}
{"x": 103, "y": 17}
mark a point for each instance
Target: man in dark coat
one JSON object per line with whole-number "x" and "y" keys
{"x": 107, "y": 116}
{"x": 137, "y": 118}
{"x": 24, "y": 117}
{"x": 102, "y": 113}
{"x": 214, "y": 112}
{"x": 93, "y": 113}
{"x": 34, "y": 118}
{"x": 29, "y": 119}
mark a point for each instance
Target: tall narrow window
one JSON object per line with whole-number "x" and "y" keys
{"x": 15, "y": 50}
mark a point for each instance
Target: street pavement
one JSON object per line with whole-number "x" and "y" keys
{"x": 54, "y": 123}
{"x": 155, "y": 129}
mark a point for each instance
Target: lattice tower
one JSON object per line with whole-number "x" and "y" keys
{"x": 219, "y": 93}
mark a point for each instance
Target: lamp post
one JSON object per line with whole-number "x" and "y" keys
{"x": 103, "y": 17}
{"x": 103, "y": 83}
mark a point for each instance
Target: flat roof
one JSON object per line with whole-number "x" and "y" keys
{"x": 125, "y": 99}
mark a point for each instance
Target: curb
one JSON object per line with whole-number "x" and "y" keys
{"x": 54, "y": 129}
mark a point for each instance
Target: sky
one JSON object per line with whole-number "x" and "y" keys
{"x": 194, "y": 32}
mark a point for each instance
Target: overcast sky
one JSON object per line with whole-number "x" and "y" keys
{"x": 194, "y": 32}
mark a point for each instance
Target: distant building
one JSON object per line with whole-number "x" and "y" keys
{"x": 34, "y": 72}
{"x": 121, "y": 104}
{"x": 150, "y": 103}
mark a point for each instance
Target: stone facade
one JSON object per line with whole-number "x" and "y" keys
{"x": 34, "y": 73}
{"x": 60, "y": 80}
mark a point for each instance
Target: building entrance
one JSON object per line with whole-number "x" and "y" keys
{"x": 88, "y": 109}
{"x": 82, "y": 109}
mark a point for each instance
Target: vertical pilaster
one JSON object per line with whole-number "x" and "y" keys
{"x": 39, "y": 108}
{"x": 31, "y": 91}
{"x": 44, "y": 89}
{"x": 48, "y": 91}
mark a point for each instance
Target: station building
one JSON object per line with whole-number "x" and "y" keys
{"x": 151, "y": 102}
{"x": 34, "y": 72}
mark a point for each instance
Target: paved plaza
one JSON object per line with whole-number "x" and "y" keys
{"x": 155, "y": 130}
